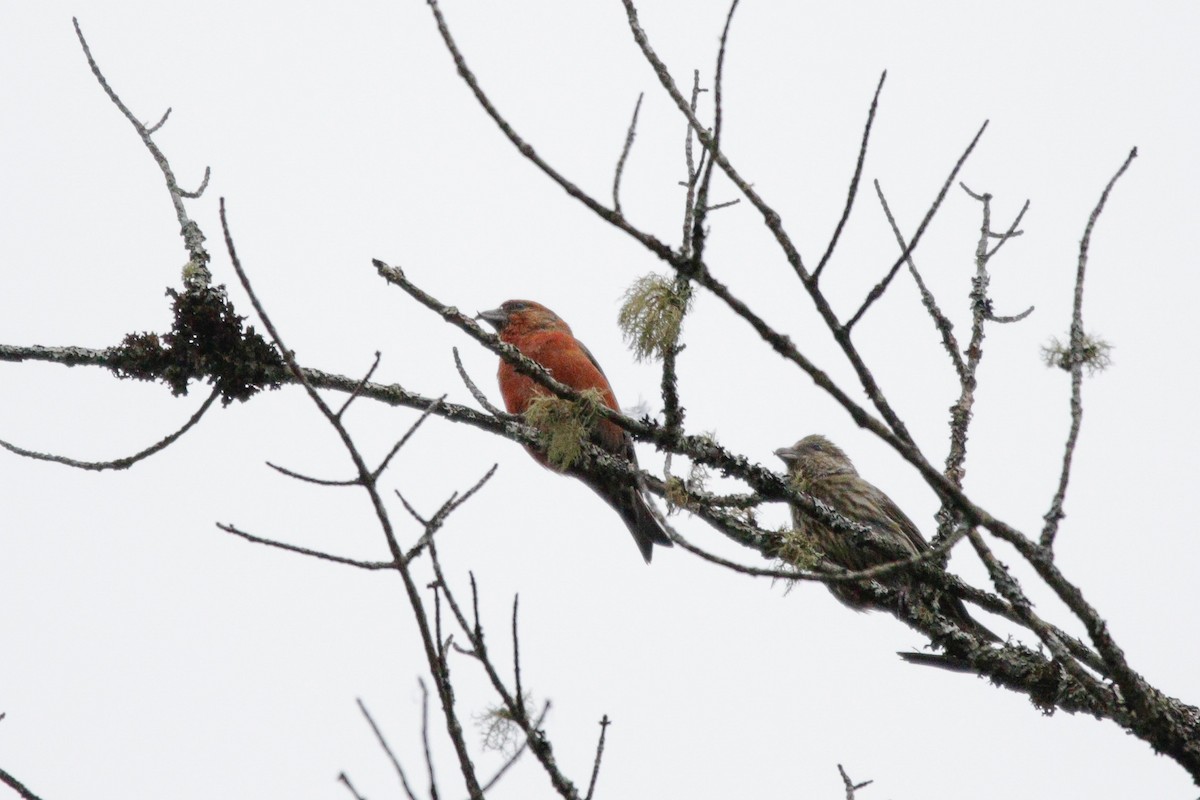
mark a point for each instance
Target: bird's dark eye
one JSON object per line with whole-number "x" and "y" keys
{"x": 515, "y": 305}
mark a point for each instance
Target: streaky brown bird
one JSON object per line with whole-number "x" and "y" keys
{"x": 544, "y": 337}
{"x": 821, "y": 469}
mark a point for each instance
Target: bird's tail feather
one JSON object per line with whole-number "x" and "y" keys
{"x": 631, "y": 504}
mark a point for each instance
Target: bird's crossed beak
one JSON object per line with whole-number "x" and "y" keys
{"x": 495, "y": 317}
{"x": 786, "y": 454}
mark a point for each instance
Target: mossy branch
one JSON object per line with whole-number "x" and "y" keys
{"x": 564, "y": 424}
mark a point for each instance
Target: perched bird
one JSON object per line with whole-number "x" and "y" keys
{"x": 820, "y": 469}
{"x": 543, "y": 337}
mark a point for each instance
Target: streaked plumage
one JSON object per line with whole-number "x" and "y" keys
{"x": 820, "y": 469}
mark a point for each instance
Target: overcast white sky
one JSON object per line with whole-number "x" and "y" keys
{"x": 143, "y": 653}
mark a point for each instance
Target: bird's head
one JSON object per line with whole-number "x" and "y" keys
{"x": 517, "y": 317}
{"x": 815, "y": 455}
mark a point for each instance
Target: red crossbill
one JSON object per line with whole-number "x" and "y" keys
{"x": 820, "y": 469}
{"x": 543, "y": 337}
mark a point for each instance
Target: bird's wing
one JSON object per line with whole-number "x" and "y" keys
{"x": 863, "y": 502}
{"x": 612, "y": 437}
{"x": 591, "y": 358}
{"x": 901, "y": 521}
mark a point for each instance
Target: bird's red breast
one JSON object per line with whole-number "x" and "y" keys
{"x": 543, "y": 337}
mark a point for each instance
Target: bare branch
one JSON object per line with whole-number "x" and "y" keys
{"x": 851, "y": 786}
{"x": 120, "y": 463}
{"x": 154, "y": 128}
{"x": 359, "y": 386}
{"x": 1011, "y": 589}
{"x": 853, "y": 191}
{"x": 880, "y": 287}
{"x": 1006, "y": 319}
{"x": 620, "y": 170}
{"x": 693, "y": 176}
{"x": 196, "y": 273}
{"x": 344, "y": 779}
{"x": 1012, "y": 231}
{"x": 310, "y": 479}
{"x": 433, "y": 790}
{"x": 516, "y": 641}
{"x": 1055, "y": 514}
{"x": 195, "y": 195}
{"x": 304, "y": 551}
{"x": 479, "y": 396}
{"x": 383, "y": 465}
{"x": 17, "y": 786}
{"x": 379, "y": 737}
{"x": 940, "y": 320}
{"x": 604, "y": 723}
{"x": 526, "y": 150}
{"x": 1166, "y": 723}
{"x": 438, "y": 519}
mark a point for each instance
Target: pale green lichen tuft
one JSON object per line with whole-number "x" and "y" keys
{"x": 564, "y": 424}
{"x": 676, "y": 495}
{"x": 797, "y": 549}
{"x": 1094, "y": 354}
{"x": 652, "y": 315}
{"x": 501, "y": 732}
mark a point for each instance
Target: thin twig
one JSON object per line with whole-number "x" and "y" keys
{"x": 358, "y": 387}
{"x": 154, "y": 128}
{"x": 516, "y": 641}
{"x": 344, "y": 779}
{"x": 434, "y": 524}
{"x": 1055, "y": 514}
{"x": 119, "y": 463}
{"x": 853, "y": 191}
{"x": 311, "y": 479}
{"x": 195, "y": 195}
{"x": 304, "y": 551}
{"x": 383, "y": 465}
{"x": 880, "y": 287}
{"x": 17, "y": 786}
{"x": 197, "y": 273}
{"x": 940, "y": 320}
{"x": 620, "y": 170}
{"x": 851, "y": 786}
{"x": 433, "y": 790}
{"x": 379, "y": 737}
{"x": 479, "y": 396}
{"x": 604, "y": 723}
{"x": 1012, "y": 231}
{"x": 693, "y": 175}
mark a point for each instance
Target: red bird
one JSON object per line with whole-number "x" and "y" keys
{"x": 543, "y": 337}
